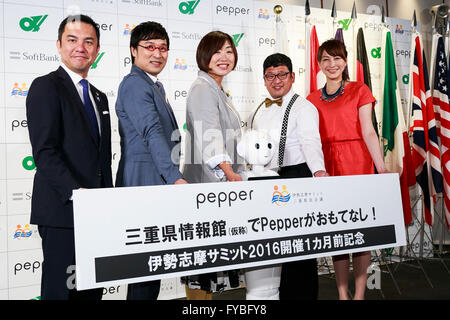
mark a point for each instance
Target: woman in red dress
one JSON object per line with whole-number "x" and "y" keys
{"x": 349, "y": 142}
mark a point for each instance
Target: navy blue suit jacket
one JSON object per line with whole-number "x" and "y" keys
{"x": 66, "y": 154}
{"x": 149, "y": 137}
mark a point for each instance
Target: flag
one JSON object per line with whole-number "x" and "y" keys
{"x": 313, "y": 63}
{"x": 426, "y": 153}
{"x": 362, "y": 62}
{"x": 441, "y": 106}
{"x": 363, "y": 69}
{"x": 281, "y": 40}
{"x": 397, "y": 151}
{"x": 339, "y": 34}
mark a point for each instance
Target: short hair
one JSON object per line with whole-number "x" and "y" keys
{"x": 78, "y": 18}
{"x": 334, "y": 47}
{"x": 147, "y": 31}
{"x": 210, "y": 44}
{"x": 276, "y": 60}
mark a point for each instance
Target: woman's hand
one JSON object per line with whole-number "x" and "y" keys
{"x": 234, "y": 177}
{"x": 229, "y": 173}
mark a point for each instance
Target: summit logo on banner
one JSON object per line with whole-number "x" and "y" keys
{"x": 188, "y": 7}
{"x": 32, "y": 24}
{"x": 237, "y": 38}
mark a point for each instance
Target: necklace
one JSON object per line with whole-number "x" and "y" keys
{"x": 331, "y": 97}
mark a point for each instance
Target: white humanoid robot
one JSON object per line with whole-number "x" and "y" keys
{"x": 257, "y": 148}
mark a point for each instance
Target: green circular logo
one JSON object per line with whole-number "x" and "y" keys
{"x": 28, "y": 163}
{"x": 405, "y": 79}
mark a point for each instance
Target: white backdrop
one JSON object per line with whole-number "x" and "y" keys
{"x": 29, "y": 50}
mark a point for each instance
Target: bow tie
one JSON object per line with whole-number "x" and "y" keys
{"x": 269, "y": 102}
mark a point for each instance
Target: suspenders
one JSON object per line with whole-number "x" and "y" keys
{"x": 283, "y": 127}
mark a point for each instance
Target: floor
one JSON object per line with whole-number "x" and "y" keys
{"x": 427, "y": 279}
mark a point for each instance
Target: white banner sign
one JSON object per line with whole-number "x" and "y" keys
{"x": 135, "y": 234}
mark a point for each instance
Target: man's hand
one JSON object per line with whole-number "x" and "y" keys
{"x": 180, "y": 181}
{"x": 321, "y": 173}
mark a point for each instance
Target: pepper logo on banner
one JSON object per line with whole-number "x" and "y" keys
{"x": 237, "y": 38}
{"x": 32, "y": 23}
{"x": 188, "y": 7}
{"x": 22, "y": 233}
{"x": 280, "y": 198}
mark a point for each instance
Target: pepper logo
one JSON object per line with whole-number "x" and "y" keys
{"x": 188, "y": 7}
{"x": 22, "y": 233}
{"x": 345, "y": 23}
{"x": 280, "y": 198}
{"x": 32, "y": 23}
{"x": 237, "y": 38}
{"x": 97, "y": 60}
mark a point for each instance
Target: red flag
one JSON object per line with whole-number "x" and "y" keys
{"x": 313, "y": 63}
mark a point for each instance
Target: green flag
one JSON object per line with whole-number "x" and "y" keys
{"x": 390, "y": 102}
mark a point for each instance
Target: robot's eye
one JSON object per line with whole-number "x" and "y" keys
{"x": 257, "y": 146}
{"x": 269, "y": 145}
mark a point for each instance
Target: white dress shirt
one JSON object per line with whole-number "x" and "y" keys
{"x": 303, "y": 142}
{"x": 76, "y": 78}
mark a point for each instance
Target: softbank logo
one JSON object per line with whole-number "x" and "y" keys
{"x": 32, "y": 24}
{"x": 237, "y": 38}
{"x": 188, "y": 7}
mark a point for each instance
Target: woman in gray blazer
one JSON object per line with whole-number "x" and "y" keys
{"x": 213, "y": 131}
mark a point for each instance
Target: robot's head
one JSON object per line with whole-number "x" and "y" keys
{"x": 256, "y": 147}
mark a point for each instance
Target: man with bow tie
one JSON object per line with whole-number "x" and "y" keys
{"x": 294, "y": 122}
{"x": 149, "y": 137}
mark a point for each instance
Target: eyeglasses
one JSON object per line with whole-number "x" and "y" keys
{"x": 152, "y": 47}
{"x": 280, "y": 76}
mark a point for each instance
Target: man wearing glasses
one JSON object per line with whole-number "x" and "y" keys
{"x": 147, "y": 126}
{"x": 294, "y": 122}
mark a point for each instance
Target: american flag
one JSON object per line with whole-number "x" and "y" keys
{"x": 442, "y": 111}
{"x": 426, "y": 153}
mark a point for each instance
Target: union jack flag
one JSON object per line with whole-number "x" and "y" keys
{"x": 426, "y": 153}
{"x": 442, "y": 112}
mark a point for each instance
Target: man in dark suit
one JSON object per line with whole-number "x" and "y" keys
{"x": 70, "y": 134}
{"x": 149, "y": 137}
